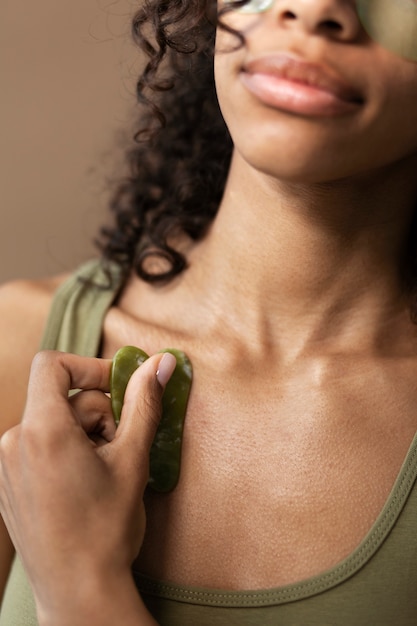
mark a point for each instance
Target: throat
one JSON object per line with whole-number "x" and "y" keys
{"x": 298, "y": 242}
{"x": 285, "y": 267}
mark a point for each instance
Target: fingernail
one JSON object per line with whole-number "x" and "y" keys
{"x": 166, "y": 368}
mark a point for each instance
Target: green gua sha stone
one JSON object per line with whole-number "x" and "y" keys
{"x": 165, "y": 455}
{"x": 392, "y": 23}
{"x": 125, "y": 362}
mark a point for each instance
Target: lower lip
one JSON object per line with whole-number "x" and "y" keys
{"x": 297, "y": 98}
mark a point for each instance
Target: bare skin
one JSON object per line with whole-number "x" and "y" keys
{"x": 326, "y": 374}
{"x": 334, "y": 389}
{"x": 294, "y": 314}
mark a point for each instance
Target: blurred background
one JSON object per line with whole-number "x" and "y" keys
{"x": 67, "y": 72}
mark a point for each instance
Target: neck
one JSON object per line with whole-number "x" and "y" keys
{"x": 318, "y": 258}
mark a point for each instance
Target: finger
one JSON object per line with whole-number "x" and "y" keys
{"x": 53, "y": 374}
{"x": 142, "y": 408}
{"x": 93, "y": 411}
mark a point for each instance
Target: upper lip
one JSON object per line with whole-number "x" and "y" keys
{"x": 300, "y": 71}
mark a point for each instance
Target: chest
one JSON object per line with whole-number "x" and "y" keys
{"x": 278, "y": 483}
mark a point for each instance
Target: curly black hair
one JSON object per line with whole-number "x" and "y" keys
{"x": 180, "y": 159}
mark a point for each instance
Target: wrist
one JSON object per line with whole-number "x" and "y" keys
{"x": 106, "y": 600}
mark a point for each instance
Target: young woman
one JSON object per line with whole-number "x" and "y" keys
{"x": 275, "y": 244}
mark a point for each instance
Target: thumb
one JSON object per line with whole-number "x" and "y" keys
{"x": 142, "y": 409}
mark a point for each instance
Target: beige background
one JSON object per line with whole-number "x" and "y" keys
{"x": 67, "y": 73}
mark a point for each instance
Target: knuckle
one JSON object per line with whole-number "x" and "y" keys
{"x": 28, "y": 435}
{"x": 42, "y": 359}
{"x": 37, "y": 436}
{"x": 146, "y": 408}
{"x": 8, "y": 443}
{"x": 38, "y": 433}
{"x": 146, "y": 396}
{"x": 149, "y": 408}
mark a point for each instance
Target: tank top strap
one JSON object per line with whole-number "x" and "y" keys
{"x": 78, "y": 308}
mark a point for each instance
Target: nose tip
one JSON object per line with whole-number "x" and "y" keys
{"x": 334, "y": 18}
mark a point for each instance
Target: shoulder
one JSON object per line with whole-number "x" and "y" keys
{"x": 24, "y": 307}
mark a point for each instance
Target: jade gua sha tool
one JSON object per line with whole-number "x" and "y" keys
{"x": 392, "y": 23}
{"x": 165, "y": 455}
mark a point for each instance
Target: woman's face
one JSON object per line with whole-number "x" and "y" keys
{"x": 310, "y": 96}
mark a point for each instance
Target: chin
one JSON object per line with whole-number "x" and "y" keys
{"x": 315, "y": 166}
{"x": 298, "y": 151}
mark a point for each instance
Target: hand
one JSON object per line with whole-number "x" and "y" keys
{"x": 71, "y": 486}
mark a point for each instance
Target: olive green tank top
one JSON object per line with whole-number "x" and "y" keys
{"x": 376, "y": 585}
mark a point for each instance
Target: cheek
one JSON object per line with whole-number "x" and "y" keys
{"x": 226, "y": 74}
{"x": 395, "y": 111}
